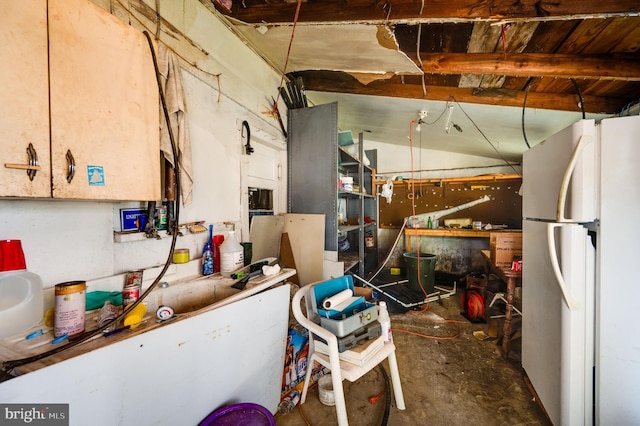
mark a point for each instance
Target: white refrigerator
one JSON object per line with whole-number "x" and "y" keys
{"x": 580, "y": 289}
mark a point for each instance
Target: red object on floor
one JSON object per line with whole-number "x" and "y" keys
{"x": 374, "y": 399}
{"x": 473, "y": 304}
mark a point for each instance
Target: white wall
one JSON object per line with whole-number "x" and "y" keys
{"x": 428, "y": 163}
{"x": 70, "y": 240}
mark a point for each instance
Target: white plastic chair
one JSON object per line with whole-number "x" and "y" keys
{"x": 339, "y": 369}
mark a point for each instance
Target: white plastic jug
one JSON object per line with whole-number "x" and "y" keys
{"x": 21, "y": 304}
{"x": 231, "y": 255}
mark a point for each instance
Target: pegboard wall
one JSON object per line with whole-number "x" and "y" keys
{"x": 504, "y": 208}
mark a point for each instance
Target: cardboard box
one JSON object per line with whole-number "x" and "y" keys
{"x": 296, "y": 357}
{"x": 504, "y": 246}
{"x": 457, "y": 223}
{"x": 133, "y": 219}
{"x": 367, "y": 293}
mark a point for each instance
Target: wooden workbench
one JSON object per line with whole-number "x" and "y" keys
{"x": 512, "y": 279}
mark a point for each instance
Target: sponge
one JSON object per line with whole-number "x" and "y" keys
{"x": 133, "y": 318}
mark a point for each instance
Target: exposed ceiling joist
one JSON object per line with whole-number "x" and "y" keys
{"x": 605, "y": 67}
{"x": 332, "y": 11}
{"x": 502, "y": 97}
{"x": 563, "y": 58}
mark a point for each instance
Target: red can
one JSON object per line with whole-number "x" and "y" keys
{"x": 516, "y": 265}
{"x": 132, "y": 285}
{"x": 130, "y": 295}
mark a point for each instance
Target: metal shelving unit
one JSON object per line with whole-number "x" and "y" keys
{"x": 316, "y": 163}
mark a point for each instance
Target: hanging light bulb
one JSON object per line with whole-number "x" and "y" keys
{"x": 447, "y": 125}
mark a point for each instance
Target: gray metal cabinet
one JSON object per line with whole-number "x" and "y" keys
{"x": 316, "y": 163}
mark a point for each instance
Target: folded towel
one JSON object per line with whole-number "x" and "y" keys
{"x": 171, "y": 82}
{"x": 96, "y": 299}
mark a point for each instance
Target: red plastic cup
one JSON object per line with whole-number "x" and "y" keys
{"x": 11, "y": 256}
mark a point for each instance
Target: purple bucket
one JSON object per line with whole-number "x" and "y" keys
{"x": 244, "y": 414}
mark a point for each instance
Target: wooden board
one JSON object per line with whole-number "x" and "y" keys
{"x": 286, "y": 257}
{"x": 505, "y": 206}
{"x": 265, "y": 234}
{"x": 306, "y": 234}
{"x": 452, "y": 232}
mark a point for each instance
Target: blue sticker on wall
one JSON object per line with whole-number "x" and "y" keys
{"x": 95, "y": 175}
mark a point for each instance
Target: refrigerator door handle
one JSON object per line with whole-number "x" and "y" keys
{"x": 571, "y": 302}
{"x": 564, "y": 186}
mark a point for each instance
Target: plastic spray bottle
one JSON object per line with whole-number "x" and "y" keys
{"x": 207, "y": 255}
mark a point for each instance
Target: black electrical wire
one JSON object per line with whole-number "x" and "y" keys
{"x": 524, "y": 107}
{"x": 387, "y": 390}
{"x": 7, "y": 366}
{"x": 579, "y": 95}
{"x": 486, "y": 138}
{"x": 429, "y": 123}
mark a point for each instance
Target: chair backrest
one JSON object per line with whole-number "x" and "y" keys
{"x": 307, "y": 317}
{"x": 296, "y": 305}
{"x": 313, "y": 296}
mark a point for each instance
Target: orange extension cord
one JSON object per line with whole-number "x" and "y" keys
{"x": 413, "y": 213}
{"x": 425, "y": 307}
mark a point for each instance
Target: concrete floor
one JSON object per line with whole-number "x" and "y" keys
{"x": 458, "y": 379}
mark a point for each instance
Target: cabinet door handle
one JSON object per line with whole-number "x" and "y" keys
{"x": 31, "y": 168}
{"x": 33, "y": 161}
{"x": 71, "y": 166}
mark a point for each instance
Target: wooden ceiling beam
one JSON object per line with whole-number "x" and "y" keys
{"x": 413, "y": 11}
{"x": 502, "y": 97}
{"x": 597, "y": 67}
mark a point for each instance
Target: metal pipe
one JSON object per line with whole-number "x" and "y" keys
{"x": 414, "y": 220}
